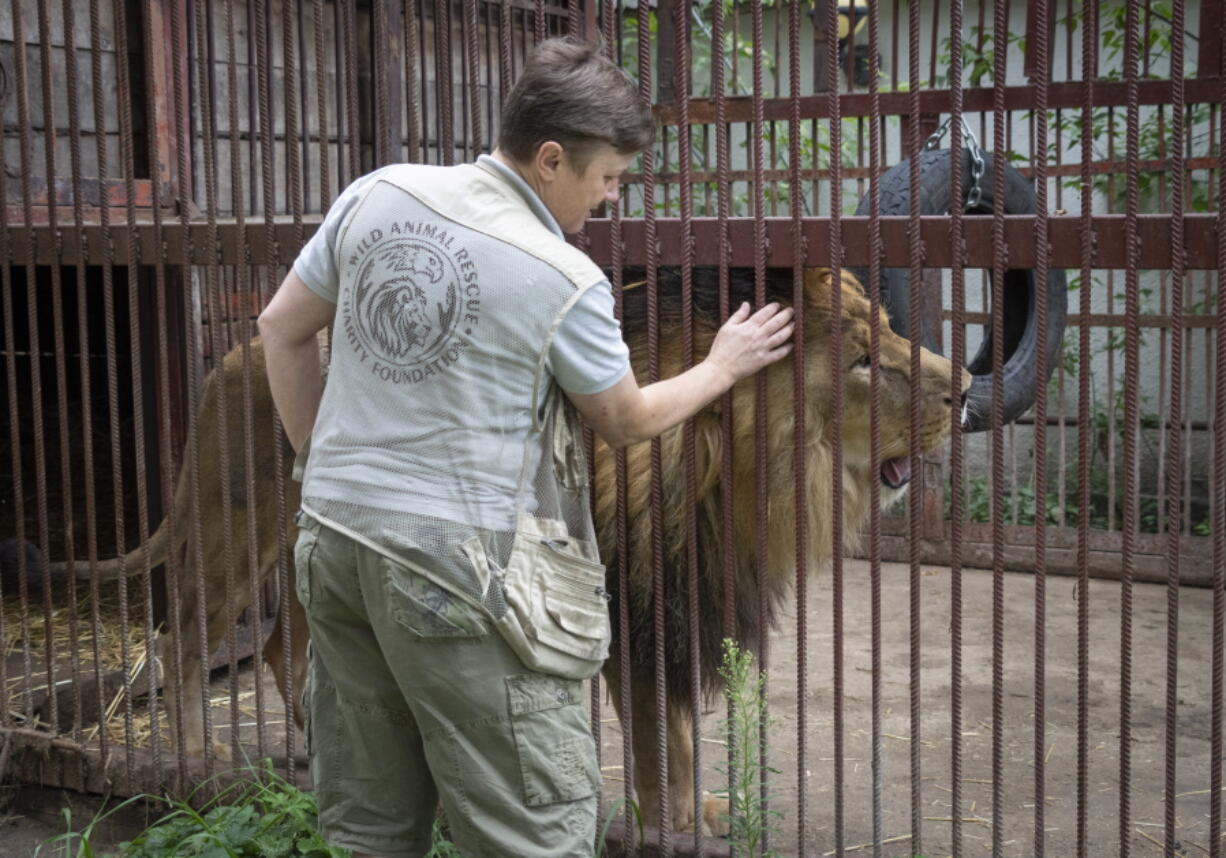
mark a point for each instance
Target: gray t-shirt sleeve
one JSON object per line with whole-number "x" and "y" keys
{"x": 588, "y": 354}
{"x": 316, "y": 262}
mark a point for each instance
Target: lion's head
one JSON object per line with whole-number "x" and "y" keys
{"x": 894, "y": 371}
{"x": 937, "y": 411}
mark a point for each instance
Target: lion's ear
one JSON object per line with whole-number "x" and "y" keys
{"x": 850, "y": 280}
{"x": 817, "y": 284}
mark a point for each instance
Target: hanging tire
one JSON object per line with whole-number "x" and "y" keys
{"x": 1021, "y": 292}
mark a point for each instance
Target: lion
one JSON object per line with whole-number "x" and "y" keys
{"x": 895, "y": 370}
{"x": 894, "y": 355}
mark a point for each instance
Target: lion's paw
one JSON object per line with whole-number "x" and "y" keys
{"x": 221, "y": 752}
{"x": 715, "y": 814}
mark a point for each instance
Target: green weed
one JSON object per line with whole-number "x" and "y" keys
{"x": 262, "y": 817}
{"x": 751, "y": 818}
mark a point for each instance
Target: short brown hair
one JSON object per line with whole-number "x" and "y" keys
{"x": 571, "y": 93}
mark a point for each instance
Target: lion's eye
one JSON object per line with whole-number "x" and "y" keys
{"x": 864, "y": 363}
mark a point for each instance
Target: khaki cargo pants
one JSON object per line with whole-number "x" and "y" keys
{"x": 413, "y": 698}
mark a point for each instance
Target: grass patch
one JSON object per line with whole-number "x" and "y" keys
{"x": 264, "y": 816}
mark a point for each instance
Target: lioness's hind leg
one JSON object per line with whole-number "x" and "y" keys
{"x": 274, "y": 652}
{"x": 188, "y": 694}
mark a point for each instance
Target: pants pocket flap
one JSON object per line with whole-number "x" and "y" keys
{"x": 538, "y": 692}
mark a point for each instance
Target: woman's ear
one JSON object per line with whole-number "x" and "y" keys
{"x": 548, "y": 160}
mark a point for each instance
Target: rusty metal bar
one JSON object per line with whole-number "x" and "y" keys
{"x": 1175, "y": 409}
{"x": 1219, "y": 506}
{"x": 506, "y": 75}
{"x": 259, "y": 284}
{"x": 656, "y": 504}
{"x": 1109, "y": 320}
{"x": 1131, "y": 393}
{"x": 761, "y": 426}
{"x": 874, "y": 418}
{"x": 299, "y": 86}
{"x": 252, "y": 98}
{"x": 799, "y": 427}
{"x": 176, "y": 579}
{"x": 835, "y": 255}
{"x": 87, "y": 477}
{"x": 162, "y": 397}
{"x": 49, "y": 137}
{"x": 220, "y": 323}
{"x": 127, "y": 163}
{"x": 442, "y": 81}
{"x": 472, "y": 64}
{"x": 916, "y": 490}
{"x": 24, "y": 572}
{"x": 623, "y": 690}
{"x": 1000, "y": 146}
{"x": 321, "y": 88}
{"x": 1089, "y": 64}
{"x": 1064, "y": 236}
{"x": 1106, "y": 167}
{"x": 956, "y": 457}
{"x": 95, "y": 41}
{"x": 727, "y": 496}
{"x": 297, "y": 199}
{"x": 10, "y": 358}
{"x": 348, "y": 11}
{"x": 1038, "y": 70}
{"x": 1105, "y": 234}
{"x": 681, "y": 70}
{"x": 412, "y": 87}
{"x": 974, "y": 99}
{"x": 208, "y": 106}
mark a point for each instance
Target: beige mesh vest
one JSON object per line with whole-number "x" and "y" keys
{"x": 442, "y": 440}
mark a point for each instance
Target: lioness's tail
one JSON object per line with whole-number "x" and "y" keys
{"x": 156, "y": 550}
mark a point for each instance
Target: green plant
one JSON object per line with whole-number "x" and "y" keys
{"x": 750, "y": 818}
{"x": 440, "y": 846}
{"x": 264, "y": 816}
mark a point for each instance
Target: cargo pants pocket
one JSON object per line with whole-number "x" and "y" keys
{"x": 426, "y": 609}
{"x": 304, "y": 549}
{"x": 553, "y": 740}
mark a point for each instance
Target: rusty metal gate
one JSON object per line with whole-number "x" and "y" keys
{"x": 929, "y": 689}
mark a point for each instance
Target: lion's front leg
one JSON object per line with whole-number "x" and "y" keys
{"x": 680, "y": 738}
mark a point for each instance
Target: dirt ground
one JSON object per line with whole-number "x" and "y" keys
{"x": 1017, "y": 724}
{"x": 21, "y": 830}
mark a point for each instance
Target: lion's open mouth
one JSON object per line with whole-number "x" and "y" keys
{"x": 896, "y": 473}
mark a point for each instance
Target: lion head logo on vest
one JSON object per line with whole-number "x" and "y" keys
{"x": 408, "y": 295}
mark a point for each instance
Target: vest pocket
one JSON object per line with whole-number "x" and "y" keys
{"x": 557, "y": 619}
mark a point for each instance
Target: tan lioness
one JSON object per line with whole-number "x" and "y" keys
{"x": 894, "y": 379}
